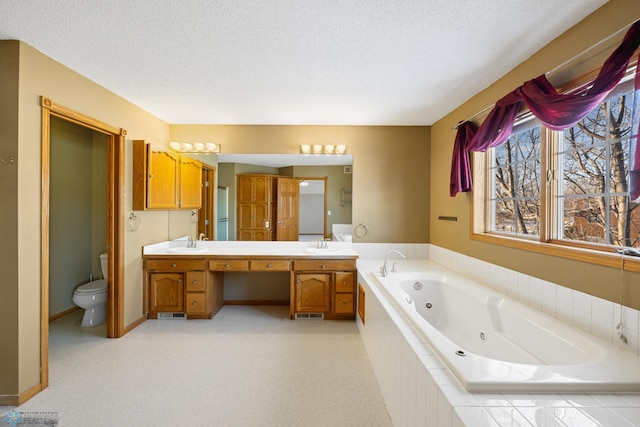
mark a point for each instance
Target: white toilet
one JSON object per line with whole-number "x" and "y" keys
{"x": 92, "y": 297}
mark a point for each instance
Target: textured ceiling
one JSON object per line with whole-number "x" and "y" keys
{"x": 357, "y": 62}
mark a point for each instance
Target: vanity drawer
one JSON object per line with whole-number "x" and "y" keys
{"x": 270, "y": 265}
{"x": 195, "y": 281}
{"x": 322, "y": 265}
{"x": 174, "y": 265}
{"x": 230, "y": 265}
{"x": 195, "y": 303}
{"x": 343, "y": 304}
{"x": 344, "y": 282}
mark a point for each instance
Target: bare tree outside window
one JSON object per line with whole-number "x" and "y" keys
{"x": 594, "y": 189}
{"x": 516, "y": 183}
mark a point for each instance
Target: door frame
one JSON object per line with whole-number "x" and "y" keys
{"x": 319, "y": 178}
{"x": 208, "y": 209}
{"x": 115, "y": 220}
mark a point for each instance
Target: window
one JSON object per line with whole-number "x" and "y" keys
{"x": 515, "y": 172}
{"x": 563, "y": 188}
{"x": 593, "y": 185}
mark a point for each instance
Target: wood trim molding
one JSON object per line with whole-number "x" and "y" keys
{"x": 60, "y": 315}
{"x": 44, "y": 241}
{"x": 115, "y": 226}
{"x": 557, "y": 249}
{"x": 130, "y": 327}
{"x": 79, "y": 118}
{"x": 17, "y": 400}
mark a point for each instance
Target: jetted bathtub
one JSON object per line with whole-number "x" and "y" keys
{"x": 493, "y": 343}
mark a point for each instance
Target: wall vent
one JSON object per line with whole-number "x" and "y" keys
{"x": 348, "y": 169}
{"x": 172, "y": 316}
{"x": 319, "y": 316}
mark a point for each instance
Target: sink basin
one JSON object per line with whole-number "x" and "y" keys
{"x": 322, "y": 251}
{"x": 186, "y": 250}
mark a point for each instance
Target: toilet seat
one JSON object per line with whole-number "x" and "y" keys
{"x": 91, "y": 288}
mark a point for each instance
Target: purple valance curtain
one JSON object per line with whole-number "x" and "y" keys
{"x": 554, "y": 110}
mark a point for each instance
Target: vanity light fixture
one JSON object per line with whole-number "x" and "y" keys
{"x": 318, "y": 149}
{"x": 196, "y": 147}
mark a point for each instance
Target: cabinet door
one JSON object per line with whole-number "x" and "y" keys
{"x": 190, "y": 183}
{"x": 166, "y": 292}
{"x": 261, "y": 189}
{"x": 245, "y": 188}
{"x": 253, "y": 219}
{"x": 313, "y": 292}
{"x": 162, "y": 179}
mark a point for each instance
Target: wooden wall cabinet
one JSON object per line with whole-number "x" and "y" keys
{"x": 267, "y": 207}
{"x": 255, "y": 215}
{"x": 164, "y": 180}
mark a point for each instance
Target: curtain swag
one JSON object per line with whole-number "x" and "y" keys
{"x": 556, "y": 111}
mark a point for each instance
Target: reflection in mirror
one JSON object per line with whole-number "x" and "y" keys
{"x": 336, "y": 169}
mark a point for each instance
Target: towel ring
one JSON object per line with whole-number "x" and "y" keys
{"x": 361, "y": 230}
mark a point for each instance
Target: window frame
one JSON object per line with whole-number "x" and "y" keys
{"x": 545, "y": 243}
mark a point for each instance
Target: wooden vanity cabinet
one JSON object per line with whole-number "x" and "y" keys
{"x": 324, "y": 286}
{"x": 312, "y": 292}
{"x": 166, "y": 292}
{"x": 181, "y": 286}
{"x": 344, "y": 293}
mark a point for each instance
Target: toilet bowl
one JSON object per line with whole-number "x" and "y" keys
{"x": 92, "y": 296}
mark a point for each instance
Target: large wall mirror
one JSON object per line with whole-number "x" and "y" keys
{"x": 325, "y": 193}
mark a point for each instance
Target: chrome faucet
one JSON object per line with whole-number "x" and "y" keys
{"x": 384, "y": 270}
{"x": 191, "y": 243}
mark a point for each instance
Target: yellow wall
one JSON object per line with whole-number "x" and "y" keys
{"x": 9, "y": 68}
{"x": 390, "y": 168}
{"x": 32, "y": 75}
{"x": 600, "y": 281}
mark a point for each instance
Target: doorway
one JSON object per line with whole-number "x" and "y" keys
{"x": 223, "y": 214}
{"x": 77, "y": 212}
{"x": 313, "y": 208}
{"x": 206, "y": 214}
{"x": 115, "y": 231}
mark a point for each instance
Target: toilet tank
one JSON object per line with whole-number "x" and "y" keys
{"x": 104, "y": 264}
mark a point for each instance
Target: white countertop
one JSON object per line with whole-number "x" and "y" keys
{"x": 246, "y": 248}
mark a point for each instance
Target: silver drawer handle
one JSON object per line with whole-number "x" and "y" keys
{"x": 324, "y": 266}
{"x": 173, "y": 265}
{"x": 269, "y": 265}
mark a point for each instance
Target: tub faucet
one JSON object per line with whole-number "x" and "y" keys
{"x": 384, "y": 270}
